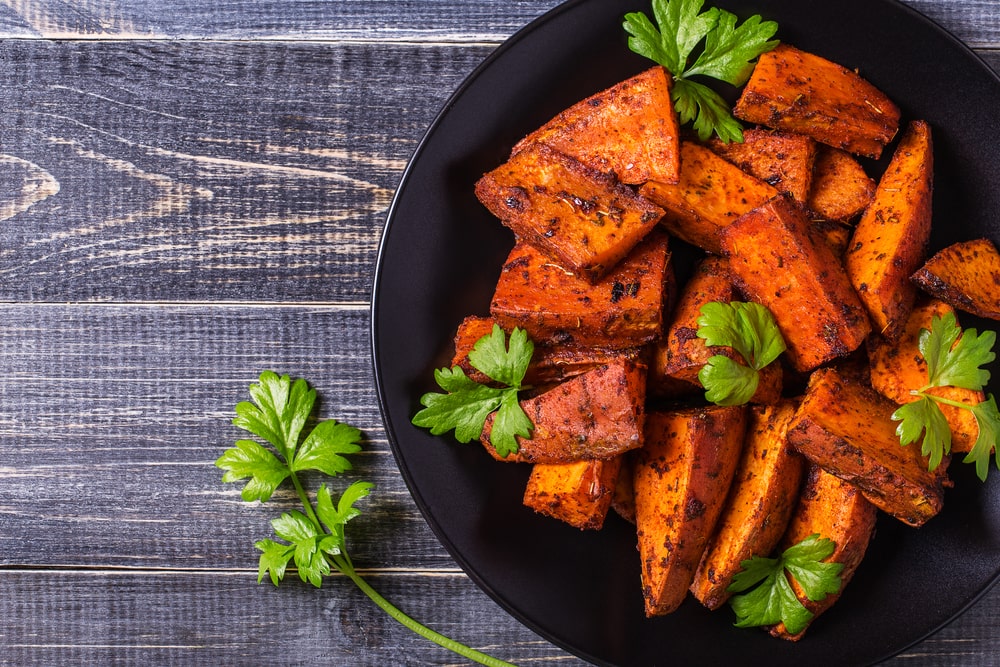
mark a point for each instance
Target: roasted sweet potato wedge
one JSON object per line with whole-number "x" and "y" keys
{"x": 890, "y": 241}
{"x": 965, "y": 275}
{"x": 577, "y": 493}
{"x": 596, "y": 415}
{"x": 682, "y": 476}
{"x": 765, "y": 490}
{"x": 580, "y": 217}
{"x": 776, "y": 260}
{"x": 845, "y": 427}
{"x": 836, "y": 510}
{"x": 680, "y": 354}
{"x": 898, "y": 367}
{"x": 629, "y": 130}
{"x": 780, "y": 159}
{"x": 841, "y": 189}
{"x": 623, "y": 499}
{"x": 797, "y": 91}
{"x": 710, "y": 194}
{"x": 624, "y": 309}
{"x": 549, "y": 364}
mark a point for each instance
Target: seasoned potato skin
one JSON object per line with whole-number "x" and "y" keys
{"x": 838, "y": 511}
{"x": 577, "y": 493}
{"x": 710, "y": 194}
{"x": 682, "y": 476}
{"x": 549, "y": 364}
{"x": 780, "y": 159}
{"x": 764, "y": 493}
{"x": 580, "y": 217}
{"x": 776, "y": 260}
{"x": 680, "y": 354}
{"x": 898, "y": 368}
{"x": 624, "y": 309}
{"x": 840, "y": 188}
{"x": 628, "y": 130}
{"x": 965, "y": 275}
{"x": 845, "y": 427}
{"x": 597, "y": 415}
{"x": 891, "y": 238}
{"x": 797, "y": 91}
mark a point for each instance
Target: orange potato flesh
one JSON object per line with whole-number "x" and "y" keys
{"x": 582, "y": 218}
{"x": 841, "y": 189}
{"x": 796, "y": 91}
{"x": 891, "y": 238}
{"x": 577, "y": 493}
{"x": 781, "y": 159}
{"x": 681, "y": 478}
{"x": 629, "y": 130}
{"x": 966, "y": 275}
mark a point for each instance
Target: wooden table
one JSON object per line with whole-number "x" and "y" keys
{"x": 188, "y": 197}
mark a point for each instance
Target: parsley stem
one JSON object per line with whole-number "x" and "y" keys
{"x": 946, "y": 401}
{"x": 304, "y": 498}
{"x": 344, "y": 566}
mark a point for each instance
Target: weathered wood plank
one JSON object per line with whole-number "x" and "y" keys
{"x": 125, "y": 617}
{"x": 225, "y": 171}
{"x": 976, "y": 22}
{"x": 113, "y": 416}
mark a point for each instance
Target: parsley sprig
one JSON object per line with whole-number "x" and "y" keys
{"x": 954, "y": 358}
{"x": 773, "y": 601}
{"x": 728, "y": 54}
{"x": 750, "y": 329}
{"x": 467, "y": 403}
{"x": 314, "y": 540}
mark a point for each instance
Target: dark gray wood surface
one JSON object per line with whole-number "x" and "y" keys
{"x": 188, "y": 197}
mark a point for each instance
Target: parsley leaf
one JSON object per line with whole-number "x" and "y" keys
{"x": 771, "y": 599}
{"x": 728, "y": 54}
{"x": 314, "y": 540}
{"x": 751, "y": 331}
{"x": 467, "y": 403}
{"x": 954, "y": 358}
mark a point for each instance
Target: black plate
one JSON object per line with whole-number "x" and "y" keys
{"x": 439, "y": 259}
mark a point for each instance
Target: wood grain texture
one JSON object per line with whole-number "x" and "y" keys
{"x": 188, "y": 197}
{"x": 975, "y": 22}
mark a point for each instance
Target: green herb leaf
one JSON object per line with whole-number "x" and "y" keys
{"x": 988, "y": 420}
{"x": 315, "y": 539}
{"x": 771, "y": 599}
{"x": 249, "y": 459}
{"x": 273, "y": 559}
{"x": 467, "y": 403}
{"x": 728, "y": 382}
{"x": 954, "y": 358}
{"x": 325, "y": 446}
{"x": 750, "y": 330}
{"x": 923, "y": 416}
{"x": 729, "y": 53}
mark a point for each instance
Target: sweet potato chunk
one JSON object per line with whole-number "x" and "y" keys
{"x": 777, "y": 262}
{"x": 682, "y": 475}
{"x": 710, "y": 194}
{"x": 841, "y": 189}
{"x": 596, "y": 415}
{"x": 623, "y": 309}
{"x": 800, "y": 92}
{"x": 837, "y": 511}
{"x": 764, "y": 493}
{"x": 629, "y": 130}
{"x": 680, "y": 354}
{"x": 890, "y": 241}
{"x": 577, "y": 493}
{"x": 780, "y": 159}
{"x": 582, "y": 218}
{"x": 966, "y": 275}
{"x": 549, "y": 364}
{"x": 845, "y": 427}
{"x": 897, "y": 368}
